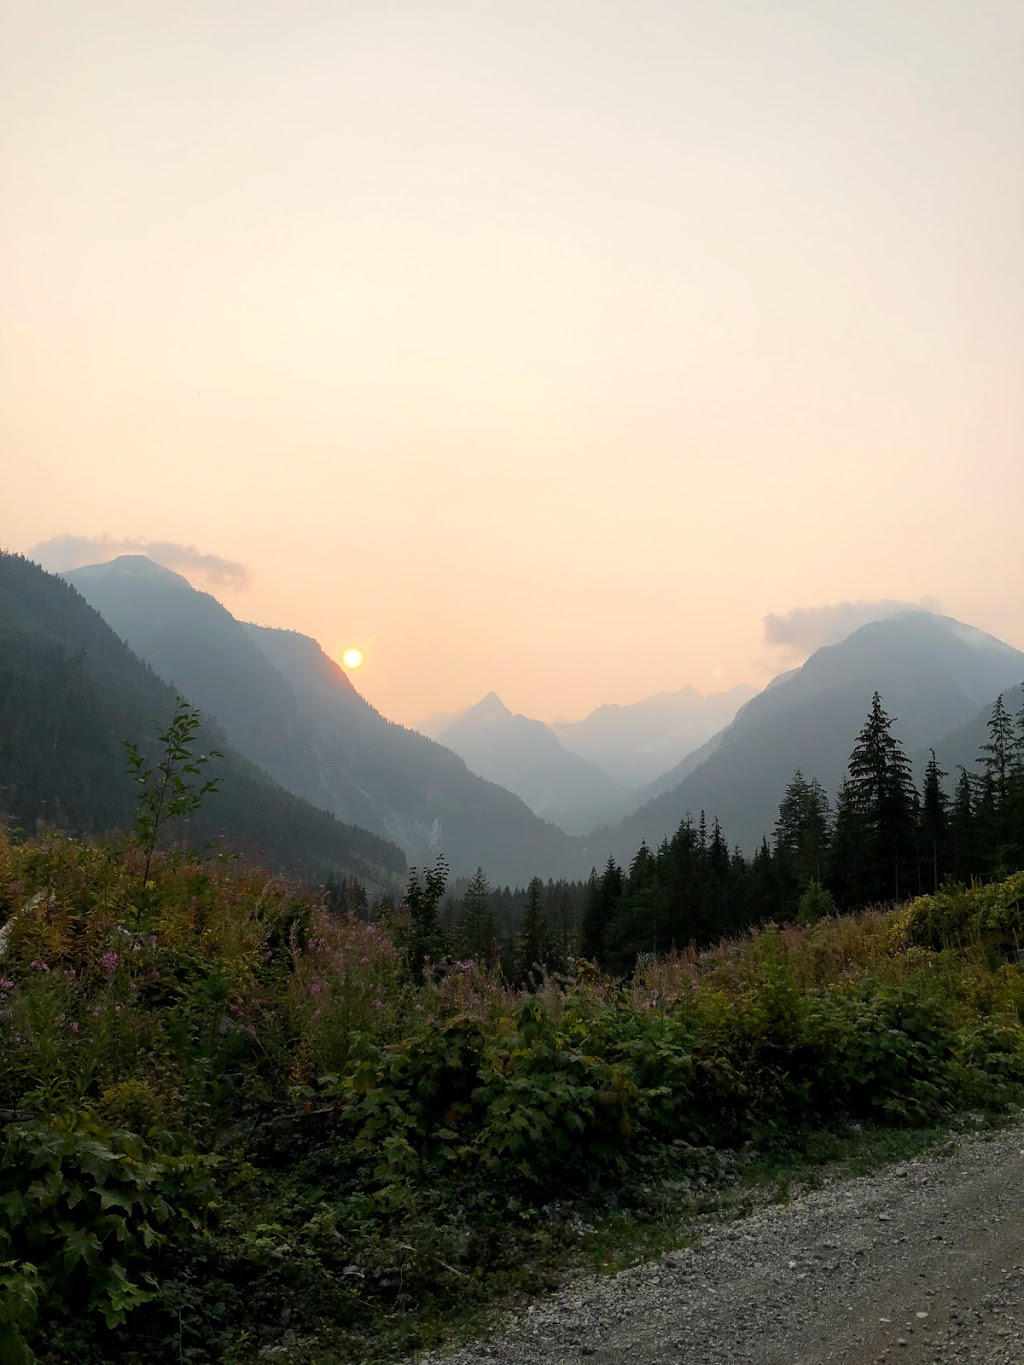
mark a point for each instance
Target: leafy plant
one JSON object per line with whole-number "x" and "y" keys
{"x": 166, "y": 791}
{"x": 19, "y": 1298}
{"x": 91, "y": 1211}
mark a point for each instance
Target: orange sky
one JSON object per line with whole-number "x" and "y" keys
{"x": 543, "y": 347}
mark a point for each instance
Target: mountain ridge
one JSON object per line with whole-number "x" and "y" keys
{"x": 280, "y": 697}
{"x": 526, "y": 757}
{"x": 65, "y": 674}
{"x": 931, "y": 678}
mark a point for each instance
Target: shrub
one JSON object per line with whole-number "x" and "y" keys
{"x": 815, "y": 903}
{"x": 86, "y": 1215}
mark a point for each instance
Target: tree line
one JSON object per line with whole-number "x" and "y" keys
{"x": 880, "y": 841}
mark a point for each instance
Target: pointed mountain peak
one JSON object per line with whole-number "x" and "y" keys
{"x": 490, "y": 707}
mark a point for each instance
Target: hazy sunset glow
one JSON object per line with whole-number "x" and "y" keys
{"x": 352, "y": 658}
{"x": 546, "y": 348}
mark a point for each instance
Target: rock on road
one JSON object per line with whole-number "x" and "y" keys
{"x": 918, "y": 1263}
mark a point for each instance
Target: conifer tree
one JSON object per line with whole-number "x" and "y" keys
{"x": 1015, "y": 794}
{"x": 478, "y": 929}
{"x": 880, "y": 809}
{"x": 424, "y": 901}
{"x": 997, "y": 789}
{"x": 934, "y": 821}
{"x": 534, "y": 942}
{"x": 998, "y": 753}
{"x": 803, "y": 835}
{"x": 764, "y": 894}
{"x": 603, "y": 899}
{"x": 964, "y": 853}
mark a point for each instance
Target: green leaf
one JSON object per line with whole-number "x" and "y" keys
{"x": 81, "y": 1246}
{"x": 14, "y": 1350}
{"x": 111, "y": 1199}
{"x": 13, "y": 1205}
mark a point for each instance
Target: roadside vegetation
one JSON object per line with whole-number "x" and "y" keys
{"x": 250, "y": 1116}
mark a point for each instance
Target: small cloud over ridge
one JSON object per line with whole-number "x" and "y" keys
{"x": 71, "y": 552}
{"x": 798, "y": 633}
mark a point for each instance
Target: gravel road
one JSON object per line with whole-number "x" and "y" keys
{"x": 922, "y": 1262}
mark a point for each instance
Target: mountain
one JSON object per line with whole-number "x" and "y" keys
{"x": 934, "y": 674}
{"x": 197, "y": 646}
{"x": 636, "y": 743}
{"x": 437, "y": 722}
{"x": 527, "y": 758}
{"x": 285, "y": 704}
{"x": 71, "y": 692}
{"x": 961, "y": 747}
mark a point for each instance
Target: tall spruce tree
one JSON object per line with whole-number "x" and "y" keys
{"x": 964, "y": 851}
{"x": 877, "y": 811}
{"x": 934, "y": 823}
{"x": 765, "y": 895}
{"x": 998, "y": 761}
{"x": 534, "y": 939}
{"x": 1015, "y": 793}
{"x": 602, "y": 902}
{"x": 802, "y": 837}
{"x": 478, "y": 927}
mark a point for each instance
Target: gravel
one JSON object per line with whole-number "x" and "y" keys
{"x": 922, "y": 1262}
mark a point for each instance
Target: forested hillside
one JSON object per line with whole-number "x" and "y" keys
{"x": 71, "y": 692}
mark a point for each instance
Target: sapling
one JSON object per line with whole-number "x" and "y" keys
{"x": 172, "y": 788}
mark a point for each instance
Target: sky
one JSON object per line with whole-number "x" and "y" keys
{"x": 565, "y": 348}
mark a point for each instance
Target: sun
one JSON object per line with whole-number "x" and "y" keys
{"x": 352, "y": 658}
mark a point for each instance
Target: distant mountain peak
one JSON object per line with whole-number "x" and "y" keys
{"x": 130, "y": 566}
{"x": 490, "y": 707}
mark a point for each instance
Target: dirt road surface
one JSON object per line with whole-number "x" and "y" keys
{"x": 916, "y": 1264}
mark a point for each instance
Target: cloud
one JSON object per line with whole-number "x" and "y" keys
{"x": 798, "y": 633}
{"x": 71, "y": 552}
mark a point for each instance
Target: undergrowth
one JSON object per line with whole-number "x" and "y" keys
{"x": 231, "y": 1119}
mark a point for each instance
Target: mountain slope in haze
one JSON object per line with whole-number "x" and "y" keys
{"x": 526, "y": 757}
{"x": 437, "y": 722}
{"x": 933, "y": 673}
{"x": 71, "y": 692}
{"x": 277, "y": 695}
{"x": 423, "y": 794}
{"x": 196, "y": 645}
{"x": 634, "y": 744}
{"x": 961, "y": 747}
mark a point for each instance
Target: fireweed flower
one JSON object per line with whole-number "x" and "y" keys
{"x": 108, "y": 961}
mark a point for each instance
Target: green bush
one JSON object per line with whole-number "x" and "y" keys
{"x": 86, "y": 1216}
{"x": 955, "y": 917}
